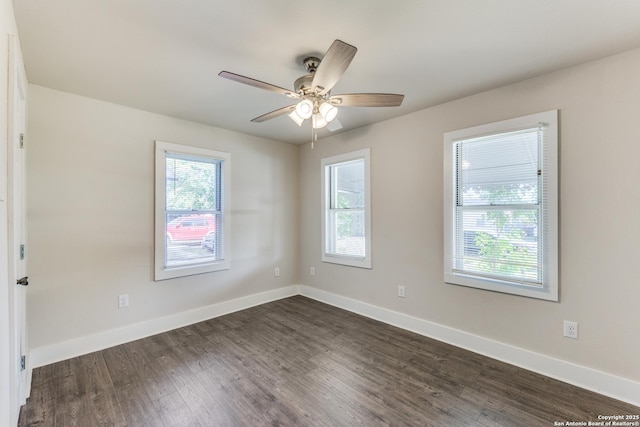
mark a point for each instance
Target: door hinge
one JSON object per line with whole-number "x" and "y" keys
{"x": 21, "y": 251}
{"x": 22, "y": 140}
{"x": 23, "y": 363}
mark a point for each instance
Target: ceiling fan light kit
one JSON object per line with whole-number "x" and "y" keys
{"x": 313, "y": 90}
{"x": 321, "y": 111}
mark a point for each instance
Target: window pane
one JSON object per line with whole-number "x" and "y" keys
{"x": 499, "y": 243}
{"x": 500, "y": 206}
{"x": 348, "y": 185}
{"x": 497, "y": 213}
{"x": 192, "y": 239}
{"x": 191, "y": 198}
{"x": 498, "y": 170}
{"x": 349, "y": 232}
{"x": 346, "y": 213}
{"x": 191, "y": 183}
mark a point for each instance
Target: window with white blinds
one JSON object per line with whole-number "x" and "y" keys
{"x": 501, "y": 206}
{"x": 346, "y": 209}
{"x": 191, "y": 201}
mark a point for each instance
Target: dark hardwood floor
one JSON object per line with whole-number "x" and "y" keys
{"x": 298, "y": 362}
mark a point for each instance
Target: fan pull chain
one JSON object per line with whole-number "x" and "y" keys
{"x": 314, "y": 136}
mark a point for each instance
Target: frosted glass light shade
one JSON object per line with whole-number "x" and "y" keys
{"x": 328, "y": 111}
{"x": 304, "y": 109}
{"x": 296, "y": 118}
{"x": 318, "y": 121}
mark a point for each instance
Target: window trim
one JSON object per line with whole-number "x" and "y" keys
{"x": 361, "y": 262}
{"x": 161, "y": 272}
{"x": 549, "y": 157}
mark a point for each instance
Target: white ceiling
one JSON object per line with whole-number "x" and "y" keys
{"x": 164, "y": 56}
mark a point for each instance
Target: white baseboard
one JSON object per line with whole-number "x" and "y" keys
{"x": 45, "y": 355}
{"x": 600, "y": 382}
{"x": 591, "y": 379}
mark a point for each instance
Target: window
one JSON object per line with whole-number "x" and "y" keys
{"x": 346, "y": 222}
{"x": 191, "y": 224}
{"x": 501, "y": 206}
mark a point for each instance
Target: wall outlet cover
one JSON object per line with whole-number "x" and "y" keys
{"x": 571, "y": 329}
{"x": 123, "y": 300}
{"x": 401, "y": 293}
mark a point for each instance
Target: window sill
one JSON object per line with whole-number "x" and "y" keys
{"x": 549, "y": 293}
{"x": 349, "y": 261}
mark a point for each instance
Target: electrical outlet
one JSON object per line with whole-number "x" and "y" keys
{"x": 571, "y": 329}
{"x": 123, "y": 300}
{"x": 401, "y": 291}
{"x": 276, "y": 272}
{"x": 312, "y": 271}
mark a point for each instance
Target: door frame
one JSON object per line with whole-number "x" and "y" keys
{"x": 16, "y": 230}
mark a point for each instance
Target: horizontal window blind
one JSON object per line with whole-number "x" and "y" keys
{"x": 498, "y": 202}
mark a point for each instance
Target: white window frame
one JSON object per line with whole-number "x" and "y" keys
{"x": 326, "y": 164}
{"x": 162, "y": 272}
{"x": 548, "y": 222}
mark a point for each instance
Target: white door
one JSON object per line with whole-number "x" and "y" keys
{"x": 16, "y": 220}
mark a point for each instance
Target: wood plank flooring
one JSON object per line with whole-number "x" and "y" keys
{"x": 298, "y": 362}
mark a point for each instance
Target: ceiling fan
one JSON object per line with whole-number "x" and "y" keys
{"x": 313, "y": 91}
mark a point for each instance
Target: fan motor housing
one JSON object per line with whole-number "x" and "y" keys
{"x": 303, "y": 84}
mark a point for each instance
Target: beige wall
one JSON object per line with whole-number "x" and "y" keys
{"x": 599, "y": 220}
{"x": 91, "y": 207}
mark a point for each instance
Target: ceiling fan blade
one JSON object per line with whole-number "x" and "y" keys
{"x": 367, "y": 100}
{"x": 334, "y": 125}
{"x": 257, "y": 83}
{"x": 275, "y": 113}
{"x": 333, "y": 65}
